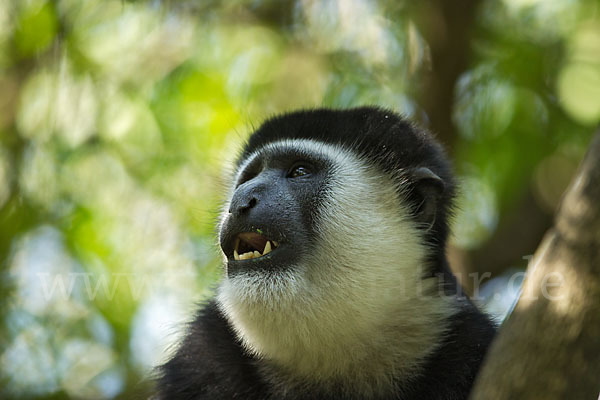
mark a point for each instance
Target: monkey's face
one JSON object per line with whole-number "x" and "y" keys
{"x": 305, "y": 217}
{"x": 345, "y": 250}
{"x": 269, "y": 224}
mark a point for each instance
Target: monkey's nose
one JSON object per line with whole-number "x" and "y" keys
{"x": 243, "y": 200}
{"x": 240, "y": 206}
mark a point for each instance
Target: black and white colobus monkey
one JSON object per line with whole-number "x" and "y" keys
{"x": 336, "y": 282}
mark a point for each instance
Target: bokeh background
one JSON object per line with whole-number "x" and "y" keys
{"x": 118, "y": 118}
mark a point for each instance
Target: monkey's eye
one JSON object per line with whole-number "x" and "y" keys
{"x": 298, "y": 171}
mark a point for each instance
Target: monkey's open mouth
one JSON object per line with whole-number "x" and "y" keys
{"x": 252, "y": 245}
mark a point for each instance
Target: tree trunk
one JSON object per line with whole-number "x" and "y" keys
{"x": 549, "y": 348}
{"x": 446, "y": 26}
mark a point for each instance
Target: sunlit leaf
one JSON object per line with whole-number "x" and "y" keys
{"x": 36, "y": 28}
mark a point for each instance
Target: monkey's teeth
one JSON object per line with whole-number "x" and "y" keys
{"x": 247, "y": 256}
{"x": 267, "y": 249}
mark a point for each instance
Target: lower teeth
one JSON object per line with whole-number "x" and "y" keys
{"x": 253, "y": 254}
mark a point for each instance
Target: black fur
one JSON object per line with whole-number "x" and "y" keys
{"x": 211, "y": 363}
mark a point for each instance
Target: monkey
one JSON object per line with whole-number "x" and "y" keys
{"x": 336, "y": 283}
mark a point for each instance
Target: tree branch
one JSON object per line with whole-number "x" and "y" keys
{"x": 549, "y": 348}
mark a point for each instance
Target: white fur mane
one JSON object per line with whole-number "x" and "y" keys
{"x": 356, "y": 313}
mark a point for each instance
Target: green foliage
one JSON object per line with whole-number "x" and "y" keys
{"x": 36, "y": 27}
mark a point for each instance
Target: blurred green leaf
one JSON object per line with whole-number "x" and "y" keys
{"x": 36, "y": 28}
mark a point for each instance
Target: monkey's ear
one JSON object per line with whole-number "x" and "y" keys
{"x": 428, "y": 191}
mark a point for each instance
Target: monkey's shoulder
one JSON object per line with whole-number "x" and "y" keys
{"x": 458, "y": 358}
{"x": 210, "y": 363}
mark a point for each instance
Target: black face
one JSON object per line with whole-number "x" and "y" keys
{"x": 269, "y": 225}
{"x": 410, "y": 155}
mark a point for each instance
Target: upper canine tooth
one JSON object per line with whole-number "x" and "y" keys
{"x": 237, "y": 243}
{"x": 257, "y": 254}
{"x": 267, "y": 247}
{"x": 236, "y": 256}
{"x": 275, "y": 243}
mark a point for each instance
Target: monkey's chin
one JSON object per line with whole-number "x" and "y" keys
{"x": 253, "y": 290}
